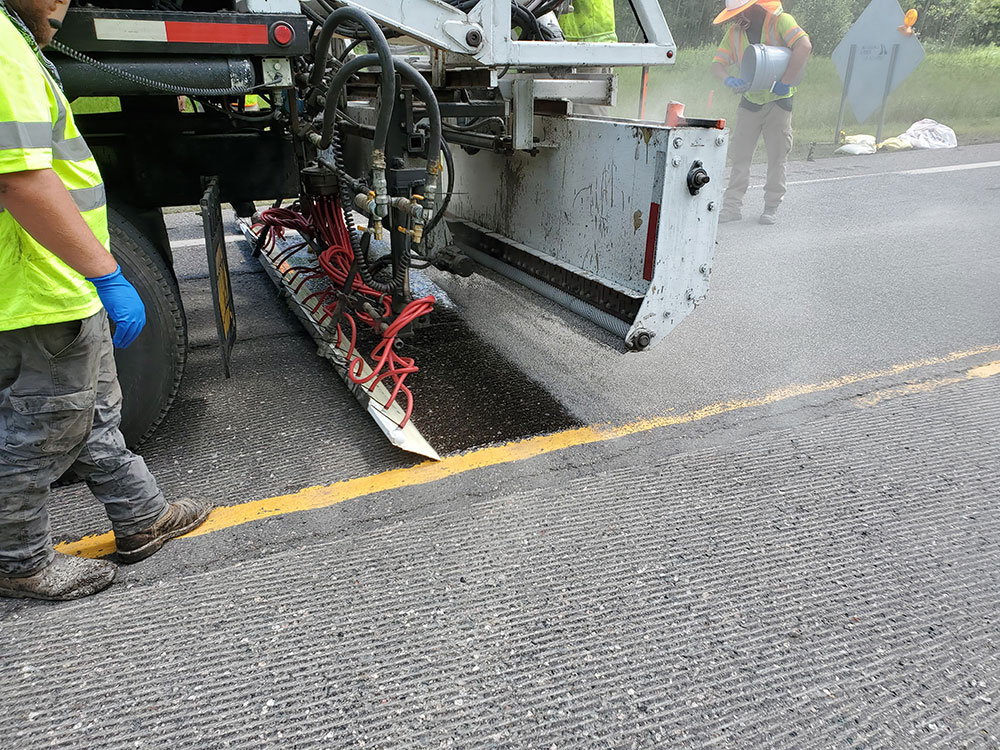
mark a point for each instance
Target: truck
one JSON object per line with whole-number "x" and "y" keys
{"x": 388, "y": 137}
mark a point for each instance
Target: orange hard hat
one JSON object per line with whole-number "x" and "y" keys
{"x": 735, "y": 7}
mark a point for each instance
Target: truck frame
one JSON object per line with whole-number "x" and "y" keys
{"x": 462, "y": 138}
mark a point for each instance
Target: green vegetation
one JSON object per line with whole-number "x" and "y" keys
{"x": 953, "y": 23}
{"x": 958, "y": 88}
{"x": 91, "y": 105}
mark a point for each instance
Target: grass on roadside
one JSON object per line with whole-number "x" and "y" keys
{"x": 88, "y": 105}
{"x": 958, "y": 88}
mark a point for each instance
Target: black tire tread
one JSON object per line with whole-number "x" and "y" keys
{"x": 159, "y": 277}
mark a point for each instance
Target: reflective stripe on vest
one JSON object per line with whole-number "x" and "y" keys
{"x": 37, "y": 131}
{"x": 89, "y": 198}
{"x": 768, "y": 35}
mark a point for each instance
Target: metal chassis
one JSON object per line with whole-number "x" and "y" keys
{"x": 484, "y": 35}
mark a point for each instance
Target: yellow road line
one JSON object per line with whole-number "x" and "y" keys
{"x": 312, "y": 498}
{"x": 926, "y": 386}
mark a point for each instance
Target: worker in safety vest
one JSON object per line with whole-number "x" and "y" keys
{"x": 589, "y": 21}
{"x": 767, "y": 113}
{"x": 60, "y": 402}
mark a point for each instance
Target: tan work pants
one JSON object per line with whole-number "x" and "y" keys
{"x": 775, "y": 124}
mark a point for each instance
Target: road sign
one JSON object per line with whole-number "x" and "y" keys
{"x": 874, "y": 36}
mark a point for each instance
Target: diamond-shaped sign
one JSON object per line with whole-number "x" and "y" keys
{"x": 873, "y": 36}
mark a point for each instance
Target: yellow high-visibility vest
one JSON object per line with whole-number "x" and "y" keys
{"x": 590, "y": 21}
{"x": 37, "y": 131}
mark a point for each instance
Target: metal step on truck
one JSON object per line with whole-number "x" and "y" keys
{"x": 390, "y": 136}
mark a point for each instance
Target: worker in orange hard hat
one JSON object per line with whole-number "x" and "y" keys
{"x": 761, "y": 112}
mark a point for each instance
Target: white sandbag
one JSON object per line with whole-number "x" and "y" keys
{"x": 894, "y": 144}
{"x": 857, "y": 149}
{"x": 868, "y": 140}
{"x": 930, "y": 134}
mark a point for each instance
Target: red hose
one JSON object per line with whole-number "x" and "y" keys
{"x": 325, "y": 222}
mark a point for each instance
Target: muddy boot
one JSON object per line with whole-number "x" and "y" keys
{"x": 180, "y": 518}
{"x": 65, "y": 578}
{"x": 728, "y": 215}
{"x": 769, "y": 216}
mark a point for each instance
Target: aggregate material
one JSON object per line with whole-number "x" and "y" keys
{"x": 832, "y": 584}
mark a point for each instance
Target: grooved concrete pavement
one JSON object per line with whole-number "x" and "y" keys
{"x": 832, "y": 584}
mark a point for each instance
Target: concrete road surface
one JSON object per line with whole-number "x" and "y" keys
{"x": 777, "y": 528}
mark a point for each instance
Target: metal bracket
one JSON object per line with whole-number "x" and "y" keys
{"x": 523, "y": 95}
{"x": 277, "y": 72}
{"x": 485, "y": 34}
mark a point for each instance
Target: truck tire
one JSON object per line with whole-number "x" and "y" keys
{"x": 149, "y": 370}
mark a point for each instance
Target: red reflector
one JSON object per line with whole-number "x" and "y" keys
{"x": 282, "y": 34}
{"x": 652, "y": 229}
{"x": 216, "y": 33}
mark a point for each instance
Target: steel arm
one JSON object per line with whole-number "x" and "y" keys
{"x": 484, "y": 35}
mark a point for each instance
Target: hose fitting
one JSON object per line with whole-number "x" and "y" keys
{"x": 430, "y": 189}
{"x": 381, "y": 188}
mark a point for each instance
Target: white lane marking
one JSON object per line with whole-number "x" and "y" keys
{"x": 954, "y": 168}
{"x": 177, "y": 244}
{"x": 928, "y": 170}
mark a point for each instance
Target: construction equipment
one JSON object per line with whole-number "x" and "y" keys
{"x": 454, "y": 139}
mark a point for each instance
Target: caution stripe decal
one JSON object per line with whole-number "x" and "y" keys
{"x": 216, "y": 33}
{"x": 188, "y": 32}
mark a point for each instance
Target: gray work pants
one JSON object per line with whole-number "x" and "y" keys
{"x": 775, "y": 124}
{"x": 60, "y": 408}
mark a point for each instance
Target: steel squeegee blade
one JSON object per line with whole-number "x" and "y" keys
{"x": 373, "y": 399}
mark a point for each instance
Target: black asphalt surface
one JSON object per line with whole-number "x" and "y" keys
{"x": 818, "y": 572}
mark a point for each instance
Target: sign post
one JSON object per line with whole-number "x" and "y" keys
{"x": 843, "y": 96}
{"x": 888, "y": 90}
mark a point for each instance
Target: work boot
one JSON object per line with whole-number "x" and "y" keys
{"x": 769, "y": 216}
{"x": 66, "y": 577}
{"x": 180, "y": 518}
{"x": 728, "y": 214}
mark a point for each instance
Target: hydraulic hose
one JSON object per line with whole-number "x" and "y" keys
{"x": 439, "y": 214}
{"x": 346, "y": 202}
{"x": 148, "y": 83}
{"x": 425, "y": 92}
{"x": 407, "y": 71}
{"x": 383, "y": 52}
{"x": 349, "y": 68}
{"x": 331, "y": 137}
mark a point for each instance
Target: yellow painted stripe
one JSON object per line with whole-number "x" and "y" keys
{"x": 985, "y": 371}
{"x": 926, "y": 386}
{"x": 431, "y": 471}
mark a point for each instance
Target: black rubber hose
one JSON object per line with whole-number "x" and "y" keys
{"x": 331, "y": 137}
{"x": 425, "y": 92}
{"x": 378, "y": 40}
{"x": 347, "y": 204}
{"x": 349, "y": 68}
{"x": 450, "y": 161}
{"x": 343, "y": 55}
{"x": 546, "y": 6}
{"x": 407, "y": 71}
{"x": 126, "y": 75}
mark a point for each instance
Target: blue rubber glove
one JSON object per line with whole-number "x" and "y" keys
{"x": 781, "y": 89}
{"x": 123, "y": 304}
{"x": 737, "y": 84}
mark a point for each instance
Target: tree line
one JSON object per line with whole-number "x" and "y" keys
{"x": 947, "y": 23}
